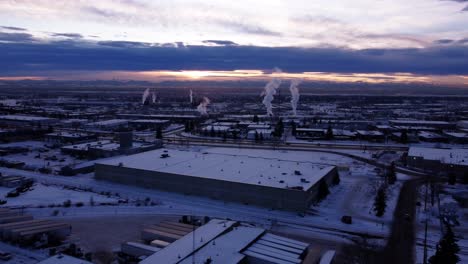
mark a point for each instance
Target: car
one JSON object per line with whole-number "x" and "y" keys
{"x": 407, "y": 217}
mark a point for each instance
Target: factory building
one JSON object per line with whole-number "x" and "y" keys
{"x": 272, "y": 183}
{"x": 22, "y": 120}
{"x": 228, "y": 242}
{"x": 439, "y": 160}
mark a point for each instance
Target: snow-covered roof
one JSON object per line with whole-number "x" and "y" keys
{"x": 85, "y": 146}
{"x": 447, "y": 156}
{"x": 111, "y": 122}
{"x": 212, "y": 163}
{"x": 150, "y": 121}
{"x": 226, "y": 249}
{"x": 276, "y": 249}
{"x": 66, "y": 134}
{"x": 63, "y": 259}
{"x": 24, "y": 118}
{"x": 418, "y": 122}
{"x": 185, "y": 246}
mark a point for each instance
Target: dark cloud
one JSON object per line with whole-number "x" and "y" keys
{"x": 220, "y": 42}
{"x": 13, "y": 28}
{"x": 463, "y": 41}
{"x": 68, "y": 35}
{"x": 22, "y": 58}
{"x": 16, "y": 37}
{"x": 460, "y": 1}
{"x": 124, "y": 44}
{"x": 444, "y": 41}
{"x": 248, "y": 28}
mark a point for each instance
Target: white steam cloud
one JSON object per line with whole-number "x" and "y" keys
{"x": 294, "y": 94}
{"x": 146, "y": 93}
{"x": 153, "y": 97}
{"x": 202, "y": 107}
{"x": 270, "y": 91}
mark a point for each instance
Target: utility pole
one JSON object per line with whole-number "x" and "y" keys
{"x": 425, "y": 223}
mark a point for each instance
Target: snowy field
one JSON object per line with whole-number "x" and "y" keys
{"x": 40, "y": 156}
{"x": 42, "y": 195}
{"x": 354, "y": 196}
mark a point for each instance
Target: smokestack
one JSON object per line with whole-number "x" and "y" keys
{"x": 201, "y": 108}
{"x": 294, "y": 94}
{"x": 146, "y": 93}
{"x": 269, "y": 92}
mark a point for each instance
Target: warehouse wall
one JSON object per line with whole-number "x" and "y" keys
{"x": 286, "y": 199}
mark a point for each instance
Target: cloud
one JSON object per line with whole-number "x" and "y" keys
{"x": 30, "y": 57}
{"x": 220, "y": 42}
{"x": 444, "y": 41}
{"x": 68, "y": 35}
{"x": 124, "y": 44}
{"x": 247, "y": 28}
{"x": 16, "y": 37}
{"x": 13, "y": 28}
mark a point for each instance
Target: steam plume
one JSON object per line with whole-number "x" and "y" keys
{"x": 153, "y": 97}
{"x": 203, "y": 105}
{"x": 191, "y": 96}
{"x": 146, "y": 93}
{"x": 269, "y": 92}
{"x": 294, "y": 94}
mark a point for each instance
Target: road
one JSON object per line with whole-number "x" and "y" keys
{"x": 400, "y": 245}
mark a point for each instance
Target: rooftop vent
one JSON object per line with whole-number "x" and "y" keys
{"x": 164, "y": 155}
{"x": 296, "y": 172}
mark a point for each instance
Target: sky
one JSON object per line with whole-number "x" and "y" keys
{"x": 326, "y": 40}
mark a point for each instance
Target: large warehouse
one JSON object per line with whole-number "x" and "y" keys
{"x": 268, "y": 182}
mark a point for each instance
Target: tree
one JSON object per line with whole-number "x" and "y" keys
{"x": 159, "y": 134}
{"x": 452, "y": 178}
{"x": 336, "y": 179}
{"x": 404, "y": 136}
{"x": 256, "y": 136}
{"x": 329, "y": 134}
{"x": 293, "y": 128}
{"x": 212, "y": 132}
{"x": 465, "y": 177}
{"x": 187, "y": 126}
{"x": 224, "y": 136}
{"x": 391, "y": 174}
{"x": 323, "y": 191}
{"x": 380, "y": 202}
{"x": 260, "y": 138}
{"x": 446, "y": 249}
{"x": 255, "y": 119}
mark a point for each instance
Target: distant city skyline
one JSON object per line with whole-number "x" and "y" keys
{"x": 360, "y": 41}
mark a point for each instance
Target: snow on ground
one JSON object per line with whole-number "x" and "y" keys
{"x": 40, "y": 156}
{"x": 354, "y": 196}
{"x": 42, "y": 195}
{"x": 21, "y": 255}
{"x": 447, "y": 204}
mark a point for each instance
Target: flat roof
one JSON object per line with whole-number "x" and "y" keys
{"x": 24, "y": 118}
{"x": 184, "y": 247}
{"x": 59, "y": 259}
{"x": 110, "y": 122}
{"x": 226, "y": 249}
{"x": 419, "y": 122}
{"x": 448, "y": 156}
{"x": 219, "y": 164}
